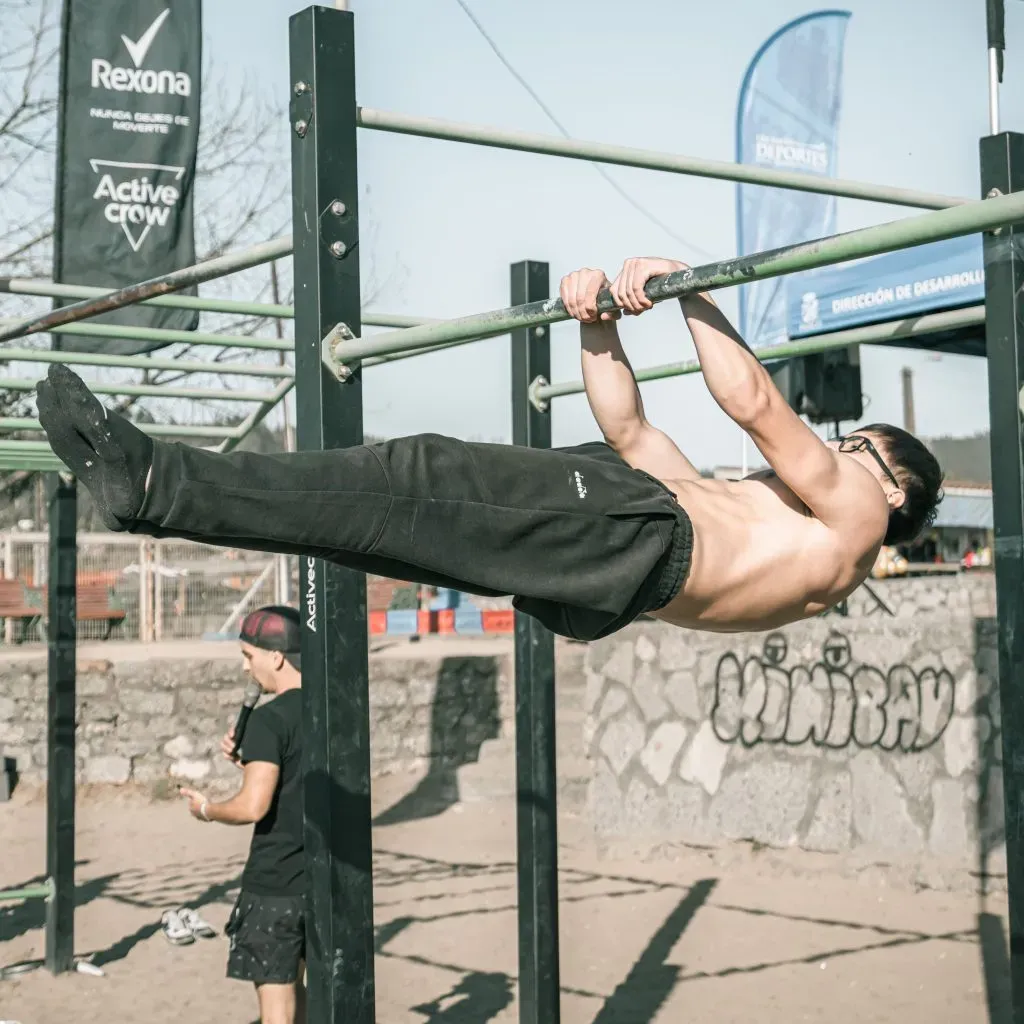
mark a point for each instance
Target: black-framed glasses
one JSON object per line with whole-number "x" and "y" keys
{"x": 858, "y": 443}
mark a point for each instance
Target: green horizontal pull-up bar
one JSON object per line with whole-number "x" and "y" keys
{"x": 155, "y": 429}
{"x": 21, "y": 445}
{"x": 625, "y": 156}
{"x": 165, "y": 336}
{"x": 43, "y": 891}
{"x": 256, "y": 417}
{"x": 53, "y": 290}
{"x": 42, "y": 355}
{"x": 541, "y": 392}
{"x": 175, "y": 281}
{"x": 340, "y": 353}
{"x": 34, "y": 462}
{"x": 151, "y": 391}
{"x": 31, "y": 463}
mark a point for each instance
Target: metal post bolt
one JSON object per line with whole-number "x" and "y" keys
{"x": 300, "y": 88}
{"x": 338, "y": 208}
{"x": 338, "y": 249}
{"x": 300, "y": 127}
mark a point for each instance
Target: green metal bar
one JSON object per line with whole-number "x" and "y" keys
{"x": 208, "y": 270}
{"x": 151, "y": 390}
{"x": 53, "y": 290}
{"x": 29, "y": 892}
{"x": 32, "y": 355}
{"x": 394, "y": 320}
{"x": 38, "y": 447}
{"x": 164, "y": 336}
{"x": 542, "y": 392}
{"x": 256, "y": 417}
{"x": 900, "y": 234}
{"x": 31, "y": 463}
{"x": 155, "y": 429}
{"x": 391, "y": 357}
{"x": 625, "y": 156}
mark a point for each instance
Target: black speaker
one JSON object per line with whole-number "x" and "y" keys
{"x": 824, "y": 387}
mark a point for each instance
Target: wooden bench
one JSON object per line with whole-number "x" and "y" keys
{"x": 94, "y": 602}
{"x": 24, "y": 605}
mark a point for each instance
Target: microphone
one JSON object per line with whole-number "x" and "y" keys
{"x": 250, "y": 699}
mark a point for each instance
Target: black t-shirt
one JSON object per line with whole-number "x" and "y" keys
{"x": 274, "y": 734}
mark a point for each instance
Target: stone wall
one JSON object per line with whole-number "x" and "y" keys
{"x": 871, "y": 734}
{"x": 970, "y": 594}
{"x": 874, "y": 733}
{"x": 157, "y": 721}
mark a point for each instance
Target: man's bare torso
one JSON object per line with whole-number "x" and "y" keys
{"x": 760, "y": 558}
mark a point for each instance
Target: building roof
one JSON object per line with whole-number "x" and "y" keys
{"x": 964, "y": 460}
{"x": 965, "y": 509}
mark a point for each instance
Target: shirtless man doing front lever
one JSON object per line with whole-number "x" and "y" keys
{"x": 586, "y": 538}
{"x": 783, "y": 544}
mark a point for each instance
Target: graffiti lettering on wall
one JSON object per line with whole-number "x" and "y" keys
{"x": 830, "y": 703}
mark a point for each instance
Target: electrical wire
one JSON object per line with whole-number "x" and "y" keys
{"x": 549, "y": 113}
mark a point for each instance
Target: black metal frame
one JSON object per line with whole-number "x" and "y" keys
{"x": 536, "y": 781}
{"x": 62, "y": 497}
{"x": 1002, "y": 169}
{"x": 335, "y": 639}
{"x": 60, "y": 728}
{"x": 335, "y": 672}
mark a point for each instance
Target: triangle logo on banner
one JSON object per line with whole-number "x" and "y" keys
{"x": 136, "y": 196}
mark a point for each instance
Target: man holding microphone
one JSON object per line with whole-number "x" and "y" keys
{"x": 267, "y": 924}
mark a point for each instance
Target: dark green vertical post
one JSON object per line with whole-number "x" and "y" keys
{"x": 332, "y": 600}
{"x": 1002, "y": 171}
{"x": 536, "y": 783}
{"x": 60, "y": 728}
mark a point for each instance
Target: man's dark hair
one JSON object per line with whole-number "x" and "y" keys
{"x": 275, "y": 627}
{"x": 920, "y": 477}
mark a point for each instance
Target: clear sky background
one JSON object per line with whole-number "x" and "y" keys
{"x": 442, "y": 221}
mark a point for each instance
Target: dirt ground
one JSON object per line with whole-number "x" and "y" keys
{"x": 679, "y": 936}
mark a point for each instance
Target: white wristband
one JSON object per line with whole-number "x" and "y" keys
{"x": 202, "y": 810}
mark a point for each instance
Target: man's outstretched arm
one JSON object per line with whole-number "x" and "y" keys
{"x": 611, "y": 385}
{"x": 746, "y": 393}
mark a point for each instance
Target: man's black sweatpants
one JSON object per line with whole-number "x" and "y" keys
{"x": 583, "y": 541}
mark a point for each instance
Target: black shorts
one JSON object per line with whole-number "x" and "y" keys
{"x": 268, "y": 938}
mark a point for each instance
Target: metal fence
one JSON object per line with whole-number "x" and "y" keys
{"x": 166, "y": 589}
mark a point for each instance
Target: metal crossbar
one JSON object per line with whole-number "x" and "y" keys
{"x": 175, "y": 281}
{"x": 155, "y": 429}
{"x": 164, "y": 336}
{"x": 42, "y": 355}
{"x": 256, "y": 417}
{"x": 625, "y": 156}
{"x": 54, "y": 290}
{"x": 541, "y": 392}
{"x": 151, "y": 390}
{"x": 340, "y": 353}
{"x": 28, "y": 892}
{"x": 35, "y": 462}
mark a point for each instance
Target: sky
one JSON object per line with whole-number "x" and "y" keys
{"x": 441, "y": 222}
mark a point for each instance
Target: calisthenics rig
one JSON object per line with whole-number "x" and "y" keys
{"x": 330, "y": 354}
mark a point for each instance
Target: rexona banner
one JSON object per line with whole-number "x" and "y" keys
{"x": 927, "y": 278}
{"x": 126, "y": 157}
